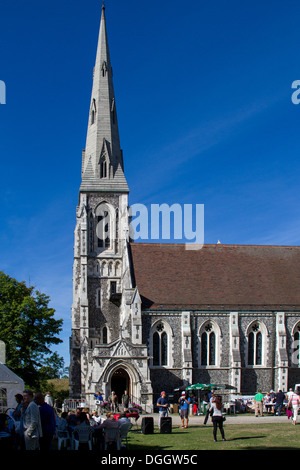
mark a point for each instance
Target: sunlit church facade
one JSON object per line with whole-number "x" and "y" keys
{"x": 148, "y": 317}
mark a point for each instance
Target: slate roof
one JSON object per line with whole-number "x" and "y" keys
{"x": 221, "y": 277}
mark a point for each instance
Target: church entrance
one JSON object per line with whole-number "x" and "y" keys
{"x": 120, "y": 381}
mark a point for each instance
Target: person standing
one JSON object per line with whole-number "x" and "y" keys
{"x": 289, "y": 394}
{"x": 125, "y": 401}
{"x": 32, "y": 422}
{"x": 17, "y": 414}
{"x": 268, "y": 402}
{"x": 294, "y": 401}
{"x": 195, "y": 404}
{"x": 258, "y": 400}
{"x": 48, "y": 421}
{"x": 49, "y": 399}
{"x": 184, "y": 409}
{"x": 114, "y": 402}
{"x": 216, "y": 409}
{"x": 279, "y": 399}
{"x": 163, "y": 405}
{"x": 211, "y": 397}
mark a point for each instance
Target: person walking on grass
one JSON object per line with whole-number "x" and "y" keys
{"x": 216, "y": 409}
{"x": 294, "y": 402}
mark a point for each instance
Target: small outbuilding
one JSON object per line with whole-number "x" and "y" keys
{"x": 10, "y": 383}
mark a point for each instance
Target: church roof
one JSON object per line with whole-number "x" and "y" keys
{"x": 221, "y": 277}
{"x": 8, "y": 377}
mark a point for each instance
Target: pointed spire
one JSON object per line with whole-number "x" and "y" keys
{"x": 102, "y": 162}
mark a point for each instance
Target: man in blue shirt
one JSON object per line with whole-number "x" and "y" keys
{"x": 279, "y": 400}
{"x": 184, "y": 409}
{"x": 163, "y": 405}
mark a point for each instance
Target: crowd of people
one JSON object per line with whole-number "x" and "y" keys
{"x": 113, "y": 401}
{"x": 36, "y": 422}
{"x": 214, "y": 410}
{"x": 274, "y": 403}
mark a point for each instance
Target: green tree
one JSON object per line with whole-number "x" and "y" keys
{"x": 28, "y": 328}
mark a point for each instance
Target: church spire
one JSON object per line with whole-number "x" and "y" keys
{"x": 102, "y": 160}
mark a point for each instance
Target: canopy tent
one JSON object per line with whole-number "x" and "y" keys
{"x": 210, "y": 387}
{"x": 10, "y": 385}
{"x": 205, "y": 387}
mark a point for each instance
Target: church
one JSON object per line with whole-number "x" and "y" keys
{"x": 148, "y": 317}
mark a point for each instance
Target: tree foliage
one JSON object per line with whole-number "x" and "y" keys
{"x": 28, "y": 328}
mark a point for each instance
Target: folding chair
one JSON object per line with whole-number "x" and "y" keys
{"x": 82, "y": 435}
{"x": 111, "y": 435}
{"x": 62, "y": 437}
{"x": 124, "y": 429}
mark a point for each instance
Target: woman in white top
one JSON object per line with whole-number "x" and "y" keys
{"x": 216, "y": 408}
{"x": 294, "y": 401}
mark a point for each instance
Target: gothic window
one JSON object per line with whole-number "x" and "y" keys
{"x": 117, "y": 230}
{"x": 93, "y": 112}
{"x": 208, "y": 346}
{"x": 103, "y": 269}
{"x": 91, "y": 233}
{"x": 110, "y": 269}
{"x": 103, "y": 228}
{"x": 98, "y": 297}
{"x": 113, "y": 287}
{"x": 113, "y": 111}
{"x": 160, "y": 346}
{"x": 118, "y": 269}
{"x": 104, "y": 68}
{"x": 104, "y": 335}
{"x": 103, "y": 168}
{"x": 255, "y": 345}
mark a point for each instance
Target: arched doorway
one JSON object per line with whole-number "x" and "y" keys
{"x": 120, "y": 381}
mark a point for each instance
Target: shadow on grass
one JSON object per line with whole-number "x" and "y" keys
{"x": 245, "y": 437}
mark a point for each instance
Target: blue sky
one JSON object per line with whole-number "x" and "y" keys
{"x": 203, "y": 92}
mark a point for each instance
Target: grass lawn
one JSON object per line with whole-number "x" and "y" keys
{"x": 238, "y": 437}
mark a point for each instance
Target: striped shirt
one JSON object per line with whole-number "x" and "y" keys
{"x": 294, "y": 399}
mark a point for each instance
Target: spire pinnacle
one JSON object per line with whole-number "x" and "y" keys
{"x": 102, "y": 162}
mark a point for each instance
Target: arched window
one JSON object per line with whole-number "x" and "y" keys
{"x": 255, "y": 345}
{"x": 104, "y": 335}
{"x": 98, "y": 298}
{"x": 118, "y": 269}
{"x": 103, "y": 169}
{"x": 208, "y": 346}
{"x": 93, "y": 112}
{"x": 103, "y": 271}
{"x": 103, "y": 228}
{"x": 160, "y": 346}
